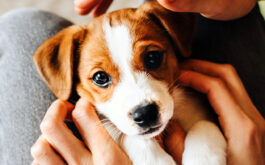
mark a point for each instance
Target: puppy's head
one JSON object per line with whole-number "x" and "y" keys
{"x": 124, "y": 62}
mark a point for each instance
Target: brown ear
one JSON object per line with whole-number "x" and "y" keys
{"x": 55, "y": 59}
{"x": 180, "y": 26}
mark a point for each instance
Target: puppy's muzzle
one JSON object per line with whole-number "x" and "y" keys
{"x": 146, "y": 115}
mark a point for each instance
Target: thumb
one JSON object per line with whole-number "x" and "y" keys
{"x": 90, "y": 127}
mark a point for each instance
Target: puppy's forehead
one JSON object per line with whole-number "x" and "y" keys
{"x": 119, "y": 42}
{"x": 123, "y": 29}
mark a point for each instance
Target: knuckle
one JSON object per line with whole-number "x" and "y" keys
{"x": 48, "y": 126}
{"x": 79, "y": 113}
{"x": 58, "y": 104}
{"x": 216, "y": 83}
{"x": 228, "y": 69}
{"x": 251, "y": 127}
{"x": 251, "y": 131}
{"x": 38, "y": 150}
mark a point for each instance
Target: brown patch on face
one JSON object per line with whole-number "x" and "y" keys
{"x": 70, "y": 58}
{"x": 150, "y": 31}
{"x": 148, "y": 36}
{"x": 94, "y": 58}
{"x": 154, "y": 39}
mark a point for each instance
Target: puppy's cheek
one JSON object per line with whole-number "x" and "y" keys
{"x": 119, "y": 118}
{"x": 167, "y": 110}
{"x": 165, "y": 101}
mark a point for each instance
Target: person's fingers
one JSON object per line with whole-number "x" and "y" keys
{"x": 59, "y": 110}
{"x": 214, "y": 9}
{"x": 224, "y": 71}
{"x": 101, "y": 8}
{"x": 191, "y": 5}
{"x": 43, "y": 153}
{"x": 82, "y": 11}
{"x": 60, "y": 137}
{"x": 35, "y": 163}
{"x": 231, "y": 79}
{"x": 91, "y": 129}
{"x": 174, "y": 141}
{"x": 229, "y": 112}
{"x": 85, "y": 6}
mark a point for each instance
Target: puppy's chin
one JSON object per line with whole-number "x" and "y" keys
{"x": 152, "y": 132}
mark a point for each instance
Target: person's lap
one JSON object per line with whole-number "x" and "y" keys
{"x": 25, "y": 98}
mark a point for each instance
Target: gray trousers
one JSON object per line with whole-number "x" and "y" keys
{"x": 24, "y": 98}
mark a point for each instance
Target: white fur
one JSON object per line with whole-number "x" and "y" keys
{"x": 204, "y": 144}
{"x": 134, "y": 88}
{"x": 146, "y": 151}
{"x": 142, "y": 151}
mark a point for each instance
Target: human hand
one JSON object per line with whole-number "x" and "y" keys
{"x": 57, "y": 145}
{"x": 213, "y": 9}
{"x": 95, "y": 7}
{"x": 241, "y": 122}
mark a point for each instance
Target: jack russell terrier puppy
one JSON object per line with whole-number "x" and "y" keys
{"x": 125, "y": 63}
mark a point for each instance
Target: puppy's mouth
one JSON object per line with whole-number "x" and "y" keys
{"x": 151, "y": 130}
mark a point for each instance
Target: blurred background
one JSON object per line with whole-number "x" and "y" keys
{"x": 65, "y": 8}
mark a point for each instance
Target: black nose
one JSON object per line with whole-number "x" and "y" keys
{"x": 146, "y": 116}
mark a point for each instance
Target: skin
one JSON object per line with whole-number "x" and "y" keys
{"x": 241, "y": 122}
{"x": 58, "y": 146}
{"x": 226, "y": 95}
{"x": 94, "y": 7}
{"x": 213, "y": 9}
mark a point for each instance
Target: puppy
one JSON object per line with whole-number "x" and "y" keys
{"x": 125, "y": 63}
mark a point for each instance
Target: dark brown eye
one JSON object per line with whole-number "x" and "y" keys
{"x": 153, "y": 60}
{"x": 101, "y": 79}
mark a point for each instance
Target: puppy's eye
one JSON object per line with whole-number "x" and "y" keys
{"x": 153, "y": 60}
{"x": 101, "y": 79}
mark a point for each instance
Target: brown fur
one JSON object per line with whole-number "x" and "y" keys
{"x": 152, "y": 28}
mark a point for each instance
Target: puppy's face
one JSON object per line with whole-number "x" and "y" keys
{"x": 124, "y": 63}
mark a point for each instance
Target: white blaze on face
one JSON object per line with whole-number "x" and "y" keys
{"x": 134, "y": 88}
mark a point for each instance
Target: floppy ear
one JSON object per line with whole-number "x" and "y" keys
{"x": 55, "y": 59}
{"x": 180, "y": 26}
